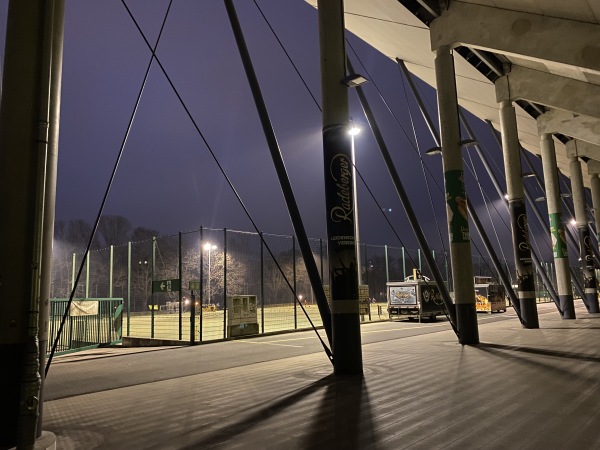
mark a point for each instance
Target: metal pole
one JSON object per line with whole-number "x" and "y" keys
{"x": 201, "y": 300}
{"x": 458, "y": 224}
{"x": 557, "y": 227}
{"x": 294, "y": 282}
{"x": 110, "y": 273}
{"x": 356, "y": 224}
{"x": 73, "y": 270}
{"x": 387, "y": 266}
{"x": 129, "y": 288}
{"x": 262, "y": 284}
{"x": 284, "y": 181}
{"x": 151, "y": 289}
{"x": 585, "y": 247}
{"x": 403, "y": 265}
{"x": 518, "y": 215}
{"x": 87, "y": 275}
{"x": 180, "y": 288}
{"x": 209, "y": 280}
{"x": 225, "y": 334}
{"x": 339, "y": 195}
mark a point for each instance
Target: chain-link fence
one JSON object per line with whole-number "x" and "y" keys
{"x": 178, "y": 287}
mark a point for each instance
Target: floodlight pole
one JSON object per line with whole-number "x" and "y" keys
{"x": 339, "y": 192}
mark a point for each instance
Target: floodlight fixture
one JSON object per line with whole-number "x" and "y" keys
{"x": 353, "y": 129}
{"x": 468, "y": 143}
{"x": 527, "y": 175}
{"x": 434, "y": 151}
{"x": 354, "y": 80}
{"x": 540, "y": 199}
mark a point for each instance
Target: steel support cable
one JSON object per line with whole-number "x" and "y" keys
{"x": 411, "y": 259}
{"x": 471, "y": 165}
{"x": 320, "y": 109}
{"x": 281, "y": 171}
{"x": 357, "y": 171}
{"x": 412, "y": 123}
{"x": 480, "y": 150}
{"x": 287, "y": 55}
{"x": 499, "y": 268}
{"x": 220, "y": 167}
{"x": 106, "y": 192}
{"x": 385, "y": 154}
{"x": 485, "y": 240}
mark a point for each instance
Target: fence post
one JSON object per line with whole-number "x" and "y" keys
{"x": 224, "y": 283}
{"x": 73, "y": 271}
{"x": 180, "y": 288}
{"x": 262, "y": 284}
{"x": 128, "y": 287}
{"x": 152, "y": 290}
{"x": 321, "y": 255}
{"x": 294, "y": 279}
{"x": 87, "y": 275}
{"x": 201, "y": 293}
{"x": 110, "y": 272}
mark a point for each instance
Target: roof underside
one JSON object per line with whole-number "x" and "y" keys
{"x": 401, "y": 29}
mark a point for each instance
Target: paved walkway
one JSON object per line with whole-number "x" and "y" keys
{"x": 519, "y": 389}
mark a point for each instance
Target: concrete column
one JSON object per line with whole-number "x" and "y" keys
{"x": 557, "y": 227}
{"x": 339, "y": 193}
{"x": 518, "y": 215}
{"x": 595, "y": 188}
{"x": 24, "y": 133}
{"x": 585, "y": 251}
{"x": 456, "y": 199}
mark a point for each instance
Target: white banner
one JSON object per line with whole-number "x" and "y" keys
{"x": 83, "y": 308}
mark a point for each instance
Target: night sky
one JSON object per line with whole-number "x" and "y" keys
{"x": 167, "y": 179}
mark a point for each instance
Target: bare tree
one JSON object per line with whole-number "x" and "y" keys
{"x": 143, "y": 234}
{"x": 115, "y": 230}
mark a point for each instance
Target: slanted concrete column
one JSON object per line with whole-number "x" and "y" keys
{"x": 557, "y": 228}
{"x": 518, "y": 215}
{"x": 585, "y": 250}
{"x": 456, "y": 200}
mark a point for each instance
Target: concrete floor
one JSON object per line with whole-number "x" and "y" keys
{"x": 529, "y": 389}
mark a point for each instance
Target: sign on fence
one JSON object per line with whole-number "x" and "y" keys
{"x": 166, "y": 285}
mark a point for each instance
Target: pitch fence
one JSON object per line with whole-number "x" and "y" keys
{"x": 178, "y": 287}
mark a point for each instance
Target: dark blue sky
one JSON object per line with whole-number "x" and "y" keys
{"x": 167, "y": 179}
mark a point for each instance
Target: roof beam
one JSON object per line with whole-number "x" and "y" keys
{"x": 580, "y": 127}
{"x": 549, "y": 90}
{"x": 583, "y": 149}
{"x": 518, "y": 33}
{"x": 593, "y": 167}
